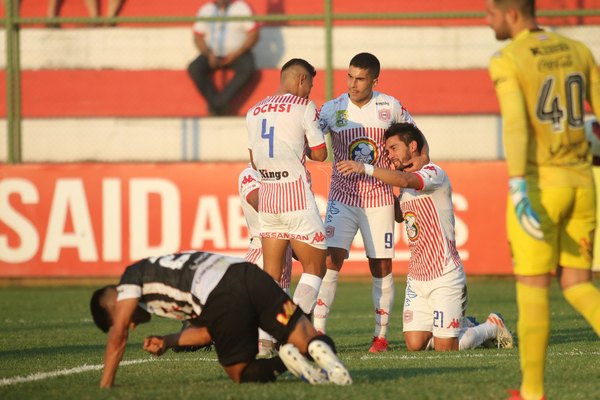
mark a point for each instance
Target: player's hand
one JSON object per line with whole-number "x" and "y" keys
{"x": 415, "y": 163}
{"x": 398, "y": 217}
{"x": 528, "y": 218}
{"x": 347, "y": 167}
{"x": 227, "y": 60}
{"x": 155, "y": 345}
{"x": 213, "y": 61}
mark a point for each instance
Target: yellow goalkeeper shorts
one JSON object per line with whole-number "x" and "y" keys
{"x": 568, "y": 220}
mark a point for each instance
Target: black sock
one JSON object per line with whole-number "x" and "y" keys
{"x": 263, "y": 370}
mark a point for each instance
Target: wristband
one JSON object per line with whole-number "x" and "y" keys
{"x": 369, "y": 169}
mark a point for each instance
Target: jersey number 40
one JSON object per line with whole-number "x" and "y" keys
{"x": 550, "y": 109}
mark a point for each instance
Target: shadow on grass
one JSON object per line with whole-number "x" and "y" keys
{"x": 386, "y": 374}
{"x": 572, "y": 335}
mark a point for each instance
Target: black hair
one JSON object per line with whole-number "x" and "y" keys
{"x": 367, "y": 61}
{"x": 99, "y": 313}
{"x": 302, "y": 63}
{"x": 527, "y": 7}
{"x": 406, "y": 132}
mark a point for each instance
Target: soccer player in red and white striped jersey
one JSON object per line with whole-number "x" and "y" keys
{"x": 283, "y": 130}
{"x": 356, "y": 121}
{"x": 436, "y": 291}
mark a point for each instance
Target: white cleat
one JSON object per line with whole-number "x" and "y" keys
{"x": 326, "y": 359}
{"x": 504, "y": 338}
{"x": 299, "y": 365}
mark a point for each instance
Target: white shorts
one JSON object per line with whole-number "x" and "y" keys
{"x": 436, "y": 306}
{"x": 254, "y": 255}
{"x": 305, "y": 226}
{"x": 376, "y": 227}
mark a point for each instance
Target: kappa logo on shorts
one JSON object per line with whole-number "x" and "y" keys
{"x": 247, "y": 179}
{"x": 407, "y": 316}
{"x": 454, "y": 324}
{"x": 330, "y": 231}
{"x": 318, "y": 238}
{"x": 288, "y": 310}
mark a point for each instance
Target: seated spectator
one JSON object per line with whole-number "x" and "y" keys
{"x": 223, "y": 45}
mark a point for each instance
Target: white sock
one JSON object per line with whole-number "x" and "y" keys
{"x": 264, "y": 335}
{"x": 306, "y": 292}
{"x": 430, "y": 344}
{"x": 383, "y": 301}
{"x": 473, "y": 337}
{"x": 325, "y": 299}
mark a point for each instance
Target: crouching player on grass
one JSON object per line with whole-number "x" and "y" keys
{"x": 436, "y": 287}
{"x": 226, "y": 300}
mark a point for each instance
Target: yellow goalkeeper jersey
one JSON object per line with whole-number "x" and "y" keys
{"x": 542, "y": 80}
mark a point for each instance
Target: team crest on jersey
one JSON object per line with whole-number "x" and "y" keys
{"x": 341, "y": 118}
{"x": 288, "y": 310}
{"x": 385, "y": 115}
{"x": 412, "y": 228}
{"x": 363, "y": 150}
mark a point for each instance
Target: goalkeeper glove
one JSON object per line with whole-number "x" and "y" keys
{"x": 526, "y": 216}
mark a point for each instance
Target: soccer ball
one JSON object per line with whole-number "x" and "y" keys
{"x": 592, "y": 134}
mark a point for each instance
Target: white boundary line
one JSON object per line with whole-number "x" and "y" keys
{"x": 77, "y": 370}
{"x": 85, "y": 368}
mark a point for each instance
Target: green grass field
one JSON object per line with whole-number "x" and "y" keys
{"x": 50, "y": 349}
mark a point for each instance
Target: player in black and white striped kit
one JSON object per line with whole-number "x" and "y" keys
{"x": 226, "y": 300}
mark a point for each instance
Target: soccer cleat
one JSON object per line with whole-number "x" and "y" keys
{"x": 299, "y": 365}
{"x": 331, "y": 364}
{"x": 266, "y": 349}
{"x": 504, "y": 339}
{"x": 379, "y": 345}
{"x": 515, "y": 394}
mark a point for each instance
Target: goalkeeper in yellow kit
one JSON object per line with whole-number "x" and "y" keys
{"x": 542, "y": 80}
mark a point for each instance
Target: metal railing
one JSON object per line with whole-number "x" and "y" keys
{"x": 13, "y": 22}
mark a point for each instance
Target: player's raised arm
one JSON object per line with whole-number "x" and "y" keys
{"x": 391, "y": 177}
{"x": 404, "y": 142}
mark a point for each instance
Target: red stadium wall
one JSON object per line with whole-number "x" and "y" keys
{"x": 130, "y": 8}
{"x": 94, "y": 219}
{"x": 66, "y": 93}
